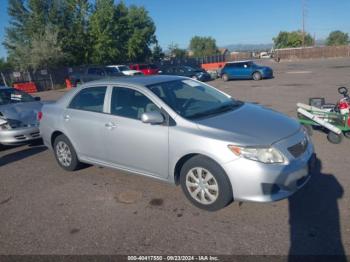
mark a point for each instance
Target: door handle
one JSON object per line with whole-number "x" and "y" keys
{"x": 110, "y": 125}
{"x": 66, "y": 117}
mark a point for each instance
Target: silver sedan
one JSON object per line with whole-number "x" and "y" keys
{"x": 19, "y": 113}
{"x": 184, "y": 132}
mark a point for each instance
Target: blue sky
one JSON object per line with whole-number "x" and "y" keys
{"x": 232, "y": 21}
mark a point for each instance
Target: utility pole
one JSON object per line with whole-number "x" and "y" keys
{"x": 303, "y": 23}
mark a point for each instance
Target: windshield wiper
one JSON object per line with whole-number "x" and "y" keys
{"x": 217, "y": 110}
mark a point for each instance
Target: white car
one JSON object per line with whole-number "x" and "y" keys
{"x": 126, "y": 70}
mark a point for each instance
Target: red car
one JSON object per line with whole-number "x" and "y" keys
{"x": 146, "y": 69}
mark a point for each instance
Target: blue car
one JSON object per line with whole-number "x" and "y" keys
{"x": 245, "y": 70}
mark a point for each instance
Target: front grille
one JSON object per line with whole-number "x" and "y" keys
{"x": 35, "y": 134}
{"x": 20, "y": 137}
{"x": 298, "y": 149}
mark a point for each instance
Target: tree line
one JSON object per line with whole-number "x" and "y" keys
{"x": 75, "y": 32}
{"x": 298, "y": 39}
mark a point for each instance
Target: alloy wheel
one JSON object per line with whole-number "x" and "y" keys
{"x": 64, "y": 154}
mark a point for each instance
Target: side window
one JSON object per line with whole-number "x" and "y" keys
{"x": 130, "y": 103}
{"x": 181, "y": 70}
{"x": 89, "y": 99}
{"x": 96, "y": 71}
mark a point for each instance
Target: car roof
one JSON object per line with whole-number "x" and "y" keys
{"x": 136, "y": 80}
{"x": 115, "y": 65}
{"x": 243, "y": 61}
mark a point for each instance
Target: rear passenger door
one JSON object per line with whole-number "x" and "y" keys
{"x": 84, "y": 120}
{"x": 130, "y": 143}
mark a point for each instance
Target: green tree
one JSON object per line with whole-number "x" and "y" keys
{"x": 337, "y": 38}
{"x": 142, "y": 34}
{"x": 177, "y": 52}
{"x": 102, "y": 33}
{"x": 4, "y": 65}
{"x": 17, "y": 32}
{"x": 292, "y": 39}
{"x": 157, "y": 53}
{"x": 71, "y": 19}
{"x": 203, "y": 46}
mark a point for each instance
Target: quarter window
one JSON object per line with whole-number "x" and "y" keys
{"x": 130, "y": 103}
{"x": 89, "y": 99}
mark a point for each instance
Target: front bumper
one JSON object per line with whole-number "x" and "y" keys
{"x": 19, "y": 136}
{"x": 259, "y": 182}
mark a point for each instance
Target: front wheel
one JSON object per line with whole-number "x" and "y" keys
{"x": 65, "y": 154}
{"x": 257, "y": 76}
{"x": 205, "y": 184}
{"x": 334, "y": 138}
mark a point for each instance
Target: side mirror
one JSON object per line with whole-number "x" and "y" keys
{"x": 37, "y": 98}
{"x": 153, "y": 118}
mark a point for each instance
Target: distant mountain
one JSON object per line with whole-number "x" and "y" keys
{"x": 249, "y": 47}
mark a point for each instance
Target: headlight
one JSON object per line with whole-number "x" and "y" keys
{"x": 267, "y": 155}
{"x": 6, "y": 124}
{"x": 3, "y": 123}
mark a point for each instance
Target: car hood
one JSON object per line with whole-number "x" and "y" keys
{"x": 24, "y": 112}
{"x": 250, "y": 125}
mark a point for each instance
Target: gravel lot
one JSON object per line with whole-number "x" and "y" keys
{"x": 45, "y": 210}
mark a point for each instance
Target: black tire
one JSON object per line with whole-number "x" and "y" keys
{"x": 225, "y": 77}
{"x": 347, "y": 134}
{"x": 257, "y": 76}
{"x": 309, "y": 129}
{"x": 224, "y": 192}
{"x": 74, "y": 164}
{"x": 334, "y": 138}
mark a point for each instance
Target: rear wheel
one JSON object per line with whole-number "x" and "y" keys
{"x": 334, "y": 138}
{"x": 225, "y": 77}
{"x": 257, "y": 76}
{"x": 65, "y": 154}
{"x": 205, "y": 184}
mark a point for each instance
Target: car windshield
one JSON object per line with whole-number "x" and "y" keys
{"x": 111, "y": 71}
{"x": 123, "y": 68}
{"x": 191, "y": 69}
{"x": 193, "y": 100}
{"x": 11, "y": 95}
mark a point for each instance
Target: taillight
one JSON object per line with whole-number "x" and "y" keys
{"x": 40, "y": 115}
{"x": 343, "y": 105}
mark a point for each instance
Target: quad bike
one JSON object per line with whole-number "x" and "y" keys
{"x": 332, "y": 118}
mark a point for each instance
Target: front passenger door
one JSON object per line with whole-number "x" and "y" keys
{"x": 132, "y": 144}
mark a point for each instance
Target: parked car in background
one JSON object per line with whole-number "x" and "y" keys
{"x": 125, "y": 70}
{"x": 146, "y": 69}
{"x": 265, "y": 55}
{"x": 92, "y": 73}
{"x": 184, "y": 132}
{"x": 19, "y": 113}
{"x": 188, "y": 71}
{"x": 245, "y": 70}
